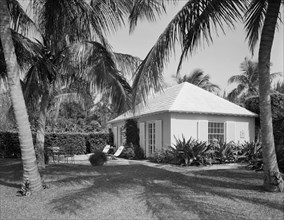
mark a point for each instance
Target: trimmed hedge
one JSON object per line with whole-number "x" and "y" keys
{"x": 77, "y": 143}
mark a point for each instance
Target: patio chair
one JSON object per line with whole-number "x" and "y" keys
{"x": 106, "y": 149}
{"x": 116, "y": 154}
{"x": 56, "y": 152}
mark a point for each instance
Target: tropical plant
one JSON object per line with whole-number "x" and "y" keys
{"x": 193, "y": 24}
{"x": 198, "y": 78}
{"x": 190, "y": 151}
{"x": 279, "y": 87}
{"x": 224, "y": 152}
{"x": 72, "y": 52}
{"x": 25, "y": 136}
{"x": 247, "y": 82}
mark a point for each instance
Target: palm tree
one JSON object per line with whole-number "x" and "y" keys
{"x": 198, "y": 78}
{"x": 25, "y": 136}
{"x": 194, "y": 24}
{"x": 94, "y": 61}
{"x": 247, "y": 82}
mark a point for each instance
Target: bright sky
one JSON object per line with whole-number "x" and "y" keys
{"x": 221, "y": 60}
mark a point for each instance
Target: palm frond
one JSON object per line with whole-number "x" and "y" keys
{"x": 240, "y": 79}
{"x": 191, "y": 25}
{"x": 254, "y": 18}
{"x": 27, "y": 51}
{"x": 127, "y": 64}
{"x": 20, "y": 21}
{"x": 92, "y": 62}
{"x": 109, "y": 15}
{"x": 145, "y": 9}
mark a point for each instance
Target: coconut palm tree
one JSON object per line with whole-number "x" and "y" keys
{"x": 198, "y": 78}
{"x": 12, "y": 69}
{"x": 192, "y": 25}
{"x": 247, "y": 82}
{"x": 72, "y": 26}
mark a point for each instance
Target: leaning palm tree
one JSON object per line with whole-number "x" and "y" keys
{"x": 198, "y": 78}
{"x": 25, "y": 136}
{"x": 66, "y": 26}
{"x": 195, "y": 23}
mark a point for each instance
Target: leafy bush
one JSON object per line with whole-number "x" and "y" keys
{"x": 251, "y": 153}
{"x": 128, "y": 153}
{"x": 98, "y": 158}
{"x": 97, "y": 141}
{"x": 166, "y": 156}
{"x": 190, "y": 152}
{"x": 69, "y": 142}
{"x": 139, "y": 152}
{"x": 224, "y": 153}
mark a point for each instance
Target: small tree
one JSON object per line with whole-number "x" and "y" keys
{"x": 132, "y": 137}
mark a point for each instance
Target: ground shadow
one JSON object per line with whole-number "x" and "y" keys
{"x": 162, "y": 190}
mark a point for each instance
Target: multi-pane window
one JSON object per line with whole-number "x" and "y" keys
{"x": 216, "y": 131}
{"x": 151, "y": 137}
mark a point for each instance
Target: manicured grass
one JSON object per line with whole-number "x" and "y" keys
{"x": 137, "y": 191}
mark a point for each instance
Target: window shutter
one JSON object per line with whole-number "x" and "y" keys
{"x": 230, "y": 131}
{"x": 158, "y": 138}
{"x": 202, "y": 130}
{"x": 118, "y": 137}
{"x": 142, "y": 136}
{"x": 114, "y": 130}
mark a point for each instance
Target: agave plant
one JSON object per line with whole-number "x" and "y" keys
{"x": 225, "y": 152}
{"x": 190, "y": 151}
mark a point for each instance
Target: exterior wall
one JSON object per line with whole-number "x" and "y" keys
{"x": 164, "y": 137}
{"x": 116, "y": 129}
{"x": 164, "y": 119}
{"x": 237, "y": 128}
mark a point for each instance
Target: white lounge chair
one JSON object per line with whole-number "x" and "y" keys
{"x": 106, "y": 149}
{"x": 118, "y": 151}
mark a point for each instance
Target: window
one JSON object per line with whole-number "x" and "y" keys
{"x": 151, "y": 137}
{"x": 216, "y": 131}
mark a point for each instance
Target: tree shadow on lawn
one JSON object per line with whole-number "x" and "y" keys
{"x": 11, "y": 172}
{"x": 165, "y": 194}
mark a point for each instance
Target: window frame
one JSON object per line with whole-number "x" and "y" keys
{"x": 151, "y": 137}
{"x": 216, "y": 132}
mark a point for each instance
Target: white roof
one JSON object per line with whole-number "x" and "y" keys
{"x": 185, "y": 98}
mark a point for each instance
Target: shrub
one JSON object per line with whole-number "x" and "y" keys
{"x": 97, "y": 141}
{"x": 190, "y": 152}
{"x": 69, "y": 142}
{"x": 163, "y": 157}
{"x": 98, "y": 158}
{"x": 224, "y": 153}
{"x": 75, "y": 143}
{"x": 128, "y": 153}
{"x": 252, "y": 153}
{"x": 139, "y": 152}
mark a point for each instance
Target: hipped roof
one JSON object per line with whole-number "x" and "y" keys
{"x": 185, "y": 98}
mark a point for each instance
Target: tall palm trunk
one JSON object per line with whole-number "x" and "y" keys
{"x": 39, "y": 145}
{"x": 25, "y": 136}
{"x": 272, "y": 177}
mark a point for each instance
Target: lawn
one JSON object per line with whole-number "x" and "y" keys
{"x": 139, "y": 191}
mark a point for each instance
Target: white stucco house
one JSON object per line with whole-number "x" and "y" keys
{"x": 187, "y": 110}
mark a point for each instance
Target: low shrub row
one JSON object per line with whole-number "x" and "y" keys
{"x": 77, "y": 143}
{"x": 192, "y": 152}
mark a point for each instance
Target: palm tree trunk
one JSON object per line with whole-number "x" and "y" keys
{"x": 39, "y": 145}
{"x": 25, "y": 136}
{"x": 272, "y": 177}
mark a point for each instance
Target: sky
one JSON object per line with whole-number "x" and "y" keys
{"x": 220, "y": 60}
